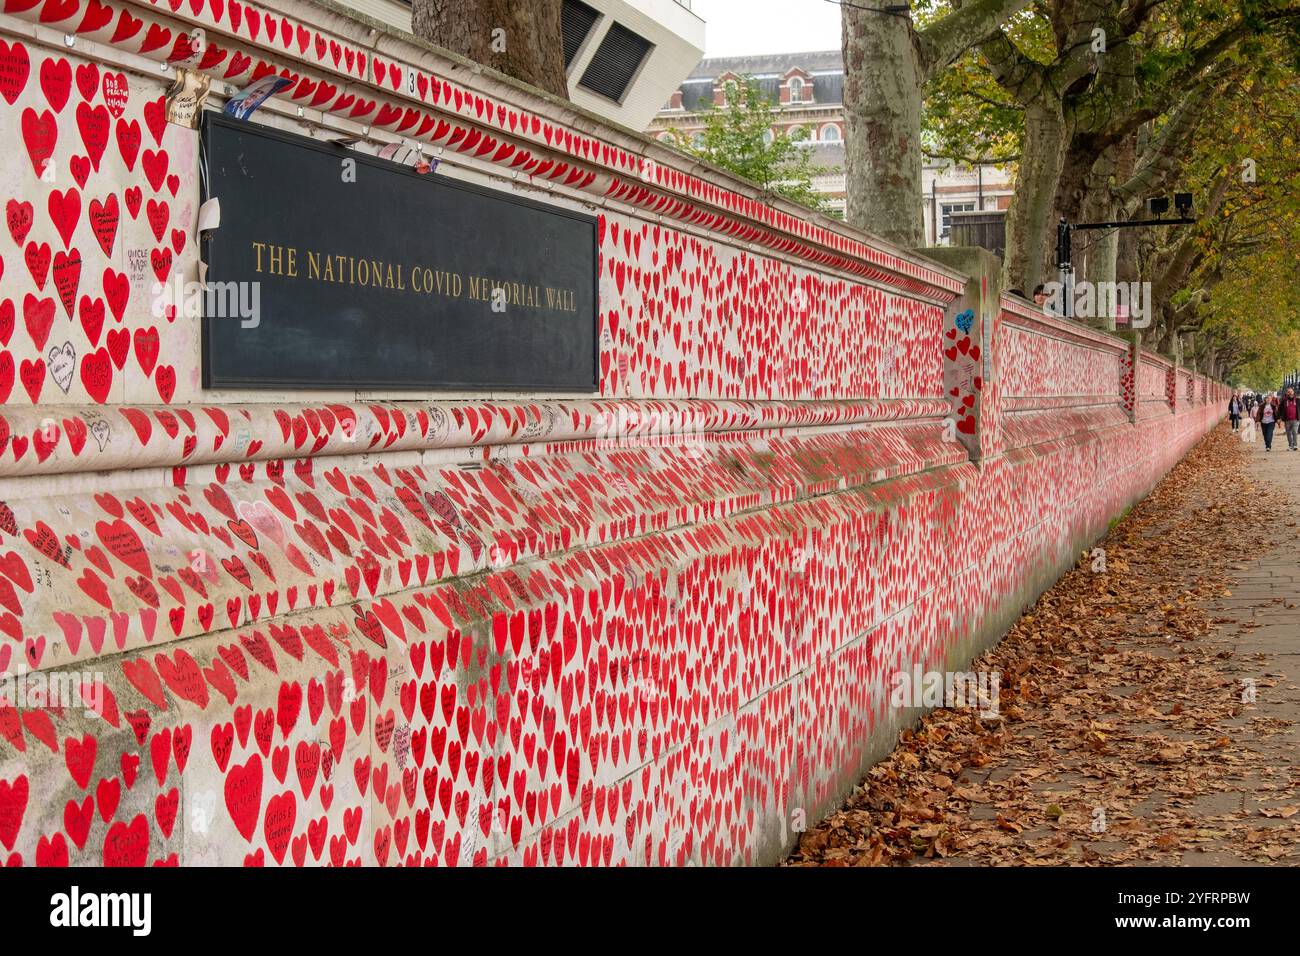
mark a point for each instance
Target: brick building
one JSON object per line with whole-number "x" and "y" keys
{"x": 807, "y": 92}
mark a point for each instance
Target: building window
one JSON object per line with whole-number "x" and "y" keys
{"x": 947, "y": 209}
{"x": 576, "y": 21}
{"x": 768, "y": 137}
{"x": 830, "y": 133}
{"x": 797, "y": 134}
{"x": 615, "y": 63}
{"x": 698, "y": 140}
{"x": 796, "y": 90}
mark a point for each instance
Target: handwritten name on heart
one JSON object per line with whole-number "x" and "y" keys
{"x": 62, "y": 363}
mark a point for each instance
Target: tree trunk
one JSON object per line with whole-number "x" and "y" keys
{"x": 1076, "y": 169}
{"x": 1100, "y": 268}
{"x": 523, "y": 40}
{"x": 1126, "y": 260}
{"x": 1096, "y": 261}
{"x": 1166, "y": 337}
{"x": 886, "y": 66}
{"x": 883, "y": 78}
{"x": 1031, "y": 219}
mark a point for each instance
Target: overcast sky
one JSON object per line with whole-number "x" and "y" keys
{"x": 740, "y": 27}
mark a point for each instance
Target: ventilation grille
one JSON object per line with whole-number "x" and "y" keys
{"x": 619, "y": 56}
{"x": 577, "y": 19}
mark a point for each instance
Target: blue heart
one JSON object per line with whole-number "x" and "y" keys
{"x": 965, "y": 320}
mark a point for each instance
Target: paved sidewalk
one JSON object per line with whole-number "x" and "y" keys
{"x": 1260, "y": 624}
{"x": 1150, "y": 712}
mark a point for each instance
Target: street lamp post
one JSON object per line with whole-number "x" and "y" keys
{"x": 1158, "y": 205}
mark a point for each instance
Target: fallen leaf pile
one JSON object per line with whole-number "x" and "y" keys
{"x": 1123, "y": 736}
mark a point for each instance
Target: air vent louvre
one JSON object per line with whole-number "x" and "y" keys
{"x": 577, "y": 19}
{"x": 617, "y": 59}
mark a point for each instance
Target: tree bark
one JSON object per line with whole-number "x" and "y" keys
{"x": 882, "y": 111}
{"x": 1099, "y": 258}
{"x": 1126, "y": 264}
{"x": 1031, "y": 218}
{"x": 520, "y": 39}
{"x": 886, "y": 65}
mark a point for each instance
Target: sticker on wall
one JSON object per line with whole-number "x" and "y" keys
{"x": 185, "y": 98}
{"x": 244, "y": 103}
{"x": 210, "y": 214}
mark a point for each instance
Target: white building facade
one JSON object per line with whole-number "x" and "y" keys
{"x": 623, "y": 58}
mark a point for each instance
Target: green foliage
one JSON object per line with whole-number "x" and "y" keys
{"x": 738, "y": 137}
{"x": 1251, "y": 248}
{"x": 1240, "y": 296}
{"x": 967, "y": 117}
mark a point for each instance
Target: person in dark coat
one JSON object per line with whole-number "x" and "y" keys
{"x": 1235, "y": 409}
{"x": 1288, "y": 413}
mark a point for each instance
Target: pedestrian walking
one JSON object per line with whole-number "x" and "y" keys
{"x": 1235, "y": 410}
{"x": 1266, "y": 416}
{"x": 1288, "y": 414}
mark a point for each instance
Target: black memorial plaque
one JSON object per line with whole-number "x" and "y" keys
{"x": 371, "y": 275}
